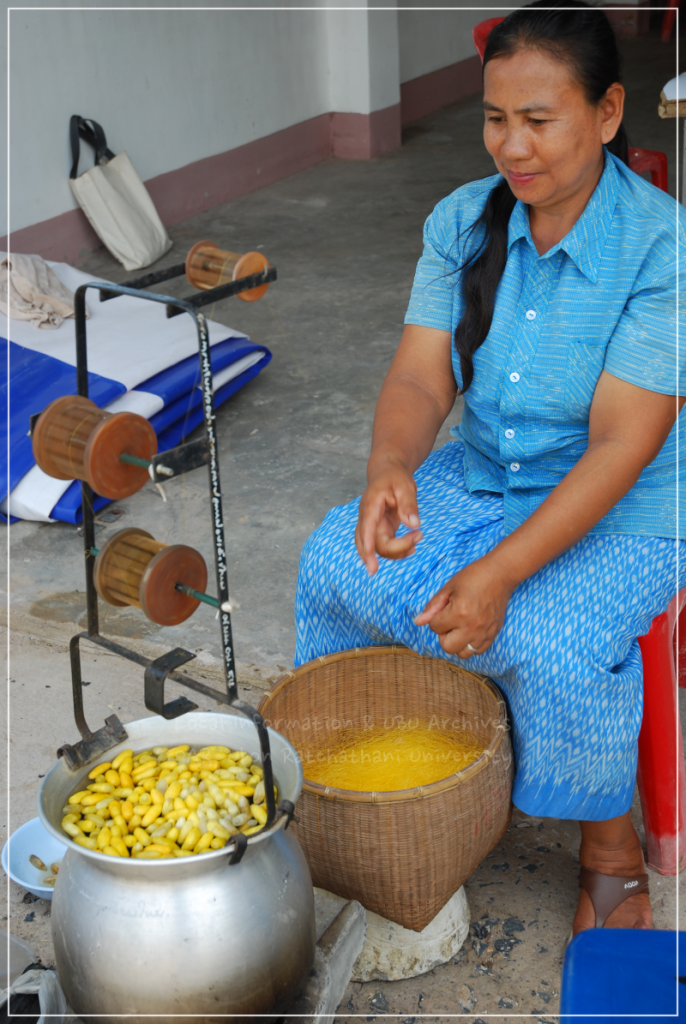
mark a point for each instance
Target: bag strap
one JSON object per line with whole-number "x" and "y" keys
{"x": 92, "y": 133}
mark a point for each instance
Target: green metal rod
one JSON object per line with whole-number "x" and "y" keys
{"x": 134, "y": 460}
{"x": 197, "y": 594}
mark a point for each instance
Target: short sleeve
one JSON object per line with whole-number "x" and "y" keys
{"x": 643, "y": 349}
{"x": 436, "y": 279}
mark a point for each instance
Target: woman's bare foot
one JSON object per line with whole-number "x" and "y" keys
{"x": 613, "y": 848}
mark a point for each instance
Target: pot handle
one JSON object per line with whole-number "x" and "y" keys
{"x": 241, "y": 845}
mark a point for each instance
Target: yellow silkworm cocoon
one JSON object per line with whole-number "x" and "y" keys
{"x": 104, "y": 837}
{"x": 151, "y": 815}
{"x": 259, "y": 813}
{"x": 184, "y": 832}
{"x": 191, "y": 839}
{"x": 86, "y": 841}
{"x": 122, "y": 813}
{"x": 142, "y": 836}
{"x": 125, "y": 755}
{"x": 203, "y": 843}
{"x": 177, "y": 751}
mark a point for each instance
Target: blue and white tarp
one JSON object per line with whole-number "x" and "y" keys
{"x": 138, "y": 361}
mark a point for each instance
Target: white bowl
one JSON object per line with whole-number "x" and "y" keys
{"x": 34, "y": 838}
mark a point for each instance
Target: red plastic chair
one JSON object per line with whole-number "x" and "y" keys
{"x": 651, "y": 160}
{"x": 661, "y": 775}
{"x": 481, "y": 32}
{"x": 668, "y": 20}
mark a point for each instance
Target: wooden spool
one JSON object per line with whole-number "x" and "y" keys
{"x": 208, "y": 266}
{"x": 75, "y": 440}
{"x": 134, "y": 568}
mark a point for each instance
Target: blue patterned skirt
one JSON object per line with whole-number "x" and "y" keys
{"x": 567, "y": 658}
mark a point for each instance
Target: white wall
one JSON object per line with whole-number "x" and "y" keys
{"x": 170, "y": 87}
{"x": 362, "y": 56}
{"x": 433, "y": 39}
{"x": 175, "y": 86}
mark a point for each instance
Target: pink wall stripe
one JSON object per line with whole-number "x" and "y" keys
{"x": 429, "y": 93}
{"x": 204, "y": 183}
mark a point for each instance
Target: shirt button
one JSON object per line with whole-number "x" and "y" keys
{"x": 514, "y": 466}
{"x": 531, "y": 314}
{"x": 514, "y": 377}
{"x": 509, "y": 433}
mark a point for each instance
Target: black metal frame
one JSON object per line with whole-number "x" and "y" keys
{"x": 187, "y": 456}
{"x": 222, "y": 291}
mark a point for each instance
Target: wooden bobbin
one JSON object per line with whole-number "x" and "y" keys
{"x": 75, "y": 440}
{"x": 134, "y": 568}
{"x": 208, "y": 266}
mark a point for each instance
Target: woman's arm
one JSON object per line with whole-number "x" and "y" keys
{"x": 627, "y": 427}
{"x": 417, "y": 395}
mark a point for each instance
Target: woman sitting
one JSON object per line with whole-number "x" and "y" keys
{"x": 545, "y": 539}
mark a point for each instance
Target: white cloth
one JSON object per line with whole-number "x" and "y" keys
{"x": 129, "y": 340}
{"x": 676, "y": 88}
{"x": 53, "y": 1004}
{"x": 30, "y": 290}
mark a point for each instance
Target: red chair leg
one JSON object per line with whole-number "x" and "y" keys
{"x": 668, "y": 21}
{"x": 661, "y": 776}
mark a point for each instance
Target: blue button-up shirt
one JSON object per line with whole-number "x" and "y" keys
{"x": 605, "y": 297}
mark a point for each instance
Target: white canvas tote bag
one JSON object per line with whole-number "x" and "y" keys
{"x": 115, "y": 200}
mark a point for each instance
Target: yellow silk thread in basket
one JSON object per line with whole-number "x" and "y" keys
{"x": 383, "y": 760}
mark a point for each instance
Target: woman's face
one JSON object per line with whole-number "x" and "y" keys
{"x": 545, "y": 138}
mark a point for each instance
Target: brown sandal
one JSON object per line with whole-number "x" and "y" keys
{"x": 608, "y": 891}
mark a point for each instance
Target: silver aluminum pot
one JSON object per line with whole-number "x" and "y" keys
{"x": 192, "y": 935}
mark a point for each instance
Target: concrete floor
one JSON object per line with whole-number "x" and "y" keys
{"x": 345, "y": 238}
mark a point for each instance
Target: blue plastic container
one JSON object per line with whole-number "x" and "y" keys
{"x": 613, "y": 975}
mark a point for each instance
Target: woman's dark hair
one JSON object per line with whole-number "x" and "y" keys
{"x": 583, "y": 38}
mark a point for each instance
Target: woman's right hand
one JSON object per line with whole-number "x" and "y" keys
{"x": 390, "y": 499}
{"x": 417, "y": 395}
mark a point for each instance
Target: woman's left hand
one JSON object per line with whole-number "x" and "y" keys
{"x": 469, "y": 609}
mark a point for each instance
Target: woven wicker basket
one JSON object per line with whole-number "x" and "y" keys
{"x": 401, "y": 854}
